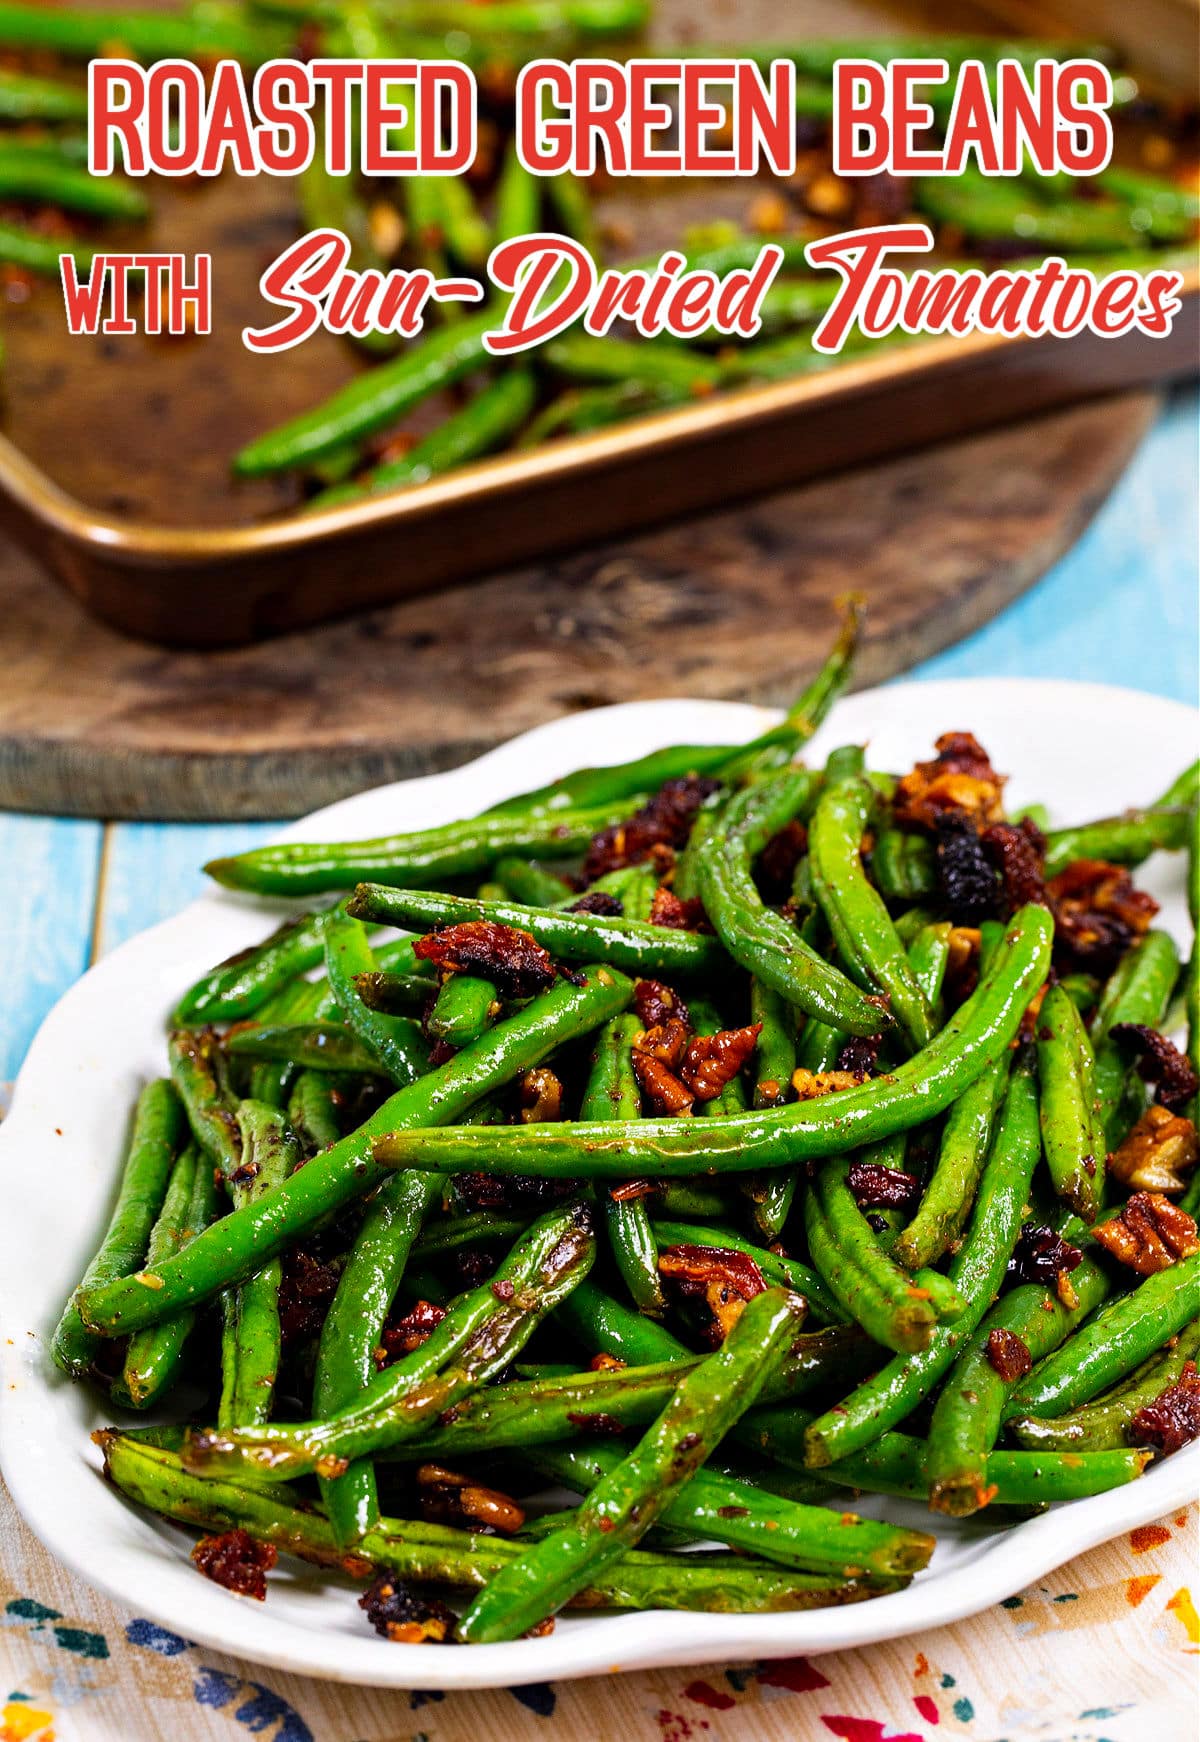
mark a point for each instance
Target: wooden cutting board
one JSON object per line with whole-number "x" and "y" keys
{"x": 736, "y": 605}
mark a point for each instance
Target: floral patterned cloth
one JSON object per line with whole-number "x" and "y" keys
{"x": 1107, "y": 1649}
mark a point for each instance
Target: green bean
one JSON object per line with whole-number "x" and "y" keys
{"x": 477, "y": 1228}
{"x": 902, "y": 865}
{"x": 321, "y": 1046}
{"x": 983, "y": 208}
{"x": 202, "y": 32}
{"x": 754, "y": 1521}
{"x": 570, "y": 937}
{"x": 518, "y": 18}
{"x": 789, "y": 1272}
{"x": 158, "y": 1129}
{"x": 395, "y": 1041}
{"x": 248, "y": 1237}
{"x": 970, "y": 1409}
{"x": 611, "y": 1092}
{"x": 26, "y": 98}
{"x": 438, "y": 1554}
{"x": 478, "y": 428}
{"x": 40, "y": 253}
{"x": 586, "y": 357}
{"x": 978, "y": 1033}
{"x": 885, "y": 1301}
{"x": 465, "y": 1006}
{"x": 1110, "y": 1345}
{"x": 1123, "y": 840}
{"x": 518, "y": 198}
{"x": 1137, "y": 992}
{"x": 479, "y": 1336}
{"x": 580, "y": 410}
{"x": 1107, "y": 1424}
{"x": 1071, "y": 1137}
{"x": 313, "y": 1109}
{"x": 947, "y": 1199}
{"x": 626, "y": 1501}
{"x": 774, "y": 1064}
{"x": 605, "y": 1325}
{"x": 859, "y": 1244}
{"x": 976, "y": 1273}
{"x": 379, "y": 397}
{"x": 352, "y": 1329}
{"x": 532, "y": 884}
{"x": 420, "y": 858}
{"x": 895, "y": 1465}
{"x": 137, "y": 1389}
{"x": 250, "y": 1335}
{"x": 1191, "y": 992}
{"x": 857, "y": 917}
{"x": 762, "y": 941}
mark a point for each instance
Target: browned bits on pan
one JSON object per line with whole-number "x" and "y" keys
{"x": 1097, "y": 914}
{"x": 1008, "y": 1355}
{"x": 599, "y": 902}
{"x": 960, "y": 778}
{"x": 666, "y": 909}
{"x": 1173, "y": 1419}
{"x": 516, "y": 964}
{"x": 875, "y": 1187}
{"x": 713, "y": 1060}
{"x": 811, "y": 1085}
{"x": 724, "y": 1280}
{"x": 541, "y": 1096}
{"x": 666, "y": 820}
{"x": 1018, "y": 851}
{"x": 654, "y": 1003}
{"x": 305, "y": 1294}
{"x": 1041, "y": 1255}
{"x": 860, "y": 1055}
{"x": 1150, "y": 1234}
{"x": 449, "y": 1497}
{"x": 399, "y": 1614}
{"x": 236, "y": 1560}
{"x": 964, "y": 869}
{"x": 401, "y": 1336}
{"x": 663, "y": 1091}
{"x": 1161, "y": 1063}
{"x": 1158, "y": 1152}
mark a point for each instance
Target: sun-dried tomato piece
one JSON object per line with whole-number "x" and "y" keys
{"x": 666, "y": 820}
{"x": 605, "y": 1363}
{"x": 397, "y": 1612}
{"x": 723, "y": 1279}
{"x": 306, "y": 1292}
{"x": 401, "y": 1336}
{"x": 1097, "y": 914}
{"x": 654, "y": 1003}
{"x": 1041, "y": 1255}
{"x": 236, "y": 1560}
{"x": 1173, "y": 1419}
{"x": 487, "y": 1191}
{"x": 515, "y": 963}
{"x": 1150, "y": 1234}
{"x": 1160, "y": 1063}
{"x": 713, "y": 1060}
{"x": 811, "y": 1085}
{"x": 959, "y": 778}
{"x": 598, "y": 901}
{"x": 860, "y": 1055}
{"x": 1157, "y": 1153}
{"x": 449, "y": 1497}
{"x": 1008, "y": 1355}
{"x": 1018, "y": 851}
{"x": 666, "y": 909}
{"x": 667, "y": 1042}
{"x": 776, "y": 867}
{"x": 875, "y": 1187}
{"x": 662, "y": 1089}
{"x": 965, "y": 873}
{"x": 541, "y": 1095}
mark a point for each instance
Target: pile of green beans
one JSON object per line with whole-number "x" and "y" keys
{"x": 579, "y": 382}
{"x": 812, "y": 1274}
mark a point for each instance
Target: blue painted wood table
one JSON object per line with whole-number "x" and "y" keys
{"x": 1107, "y": 1646}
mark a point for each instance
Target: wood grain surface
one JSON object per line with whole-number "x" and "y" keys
{"x": 736, "y": 604}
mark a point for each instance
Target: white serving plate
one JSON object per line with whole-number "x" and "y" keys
{"x": 1082, "y": 749}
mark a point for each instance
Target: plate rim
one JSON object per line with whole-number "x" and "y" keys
{"x": 1013, "y": 1558}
